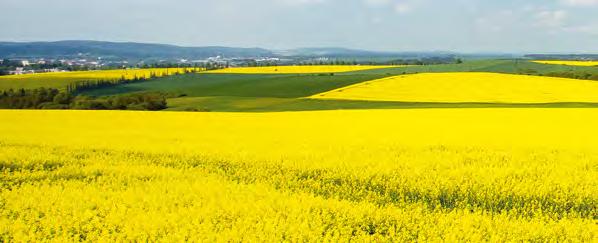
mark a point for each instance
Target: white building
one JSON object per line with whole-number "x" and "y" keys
{"x": 17, "y": 71}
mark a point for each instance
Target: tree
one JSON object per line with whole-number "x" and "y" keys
{"x": 62, "y": 98}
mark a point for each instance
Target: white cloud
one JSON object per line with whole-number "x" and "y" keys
{"x": 588, "y": 29}
{"x": 303, "y": 2}
{"x": 399, "y": 6}
{"x": 550, "y": 19}
{"x": 403, "y": 8}
{"x": 498, "y": 22}
{"x": 580, "y": 2}
{"x": 376, "y": 20}
{"x": 376, "y": 3}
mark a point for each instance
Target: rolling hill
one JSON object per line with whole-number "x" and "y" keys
{"x": 121, "y": 50}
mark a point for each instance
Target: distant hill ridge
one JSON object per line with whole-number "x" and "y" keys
{"x": 122, "y": 50}
{"x": 132, "y": 50}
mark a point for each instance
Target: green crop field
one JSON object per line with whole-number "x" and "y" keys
{"x": 243, "y": 85}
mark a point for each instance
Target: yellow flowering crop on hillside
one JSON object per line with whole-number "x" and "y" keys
{"x": 570, "y": 63}
{"x": 62, "y": 79}
{"x": 368, "y": 175}
{"x": 299, "y": 69}
{"x": 469, "y": 87}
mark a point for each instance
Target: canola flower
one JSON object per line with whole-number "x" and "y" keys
{"x": 61, "y": 80}
{"x": 367, "y": 175}
{"x": 469, "y": 87}
{"x": 569, "y": 63}
{"x": 299, "y": 69}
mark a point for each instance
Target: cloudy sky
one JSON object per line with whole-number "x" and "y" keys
{"x": 396, "y": 25}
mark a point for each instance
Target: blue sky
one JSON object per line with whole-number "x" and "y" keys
{"x": 553, "y": 26}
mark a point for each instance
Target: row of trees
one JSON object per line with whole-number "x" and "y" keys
{"x": 574, "y": 75}
{"x": 422, "y": 61}
{"x": 50, "y": 98}
{"x": 31, "y": 99}
{"x": 86, "y": 85}
{"x": 204, "y": 65}
{"x": 333, "y": 62}
{"x": 426, "y": 61}
{"x": 150, "y": 101}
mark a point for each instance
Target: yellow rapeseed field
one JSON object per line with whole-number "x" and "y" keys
{"x": 570, "y": 63}
{"x": 62, "y": 79}
{"x": 450, "y": 175}
{"x": 469, "y": 87}
{"x": 299, "y": 69}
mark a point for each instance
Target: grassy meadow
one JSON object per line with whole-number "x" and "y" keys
{"x": 483, "y": 151}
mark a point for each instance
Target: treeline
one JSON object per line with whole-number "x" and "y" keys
{"x": 50, "y": 98}
{"x": 574, "y": 75}
{"x": 566, "y": 74}
{"x": 150, "y": 101}
{"x": 421, "y": 61}
{"x": 572, "y": 57}
{"x": 426, "y": 61}
{"x": 333, "y": 63}
{"x": 253, "y": 63}
{"x": 203, "y": 65}
{"x": 86, "y": 85}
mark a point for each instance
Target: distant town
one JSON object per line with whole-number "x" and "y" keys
{"x": 20, "y": 66}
